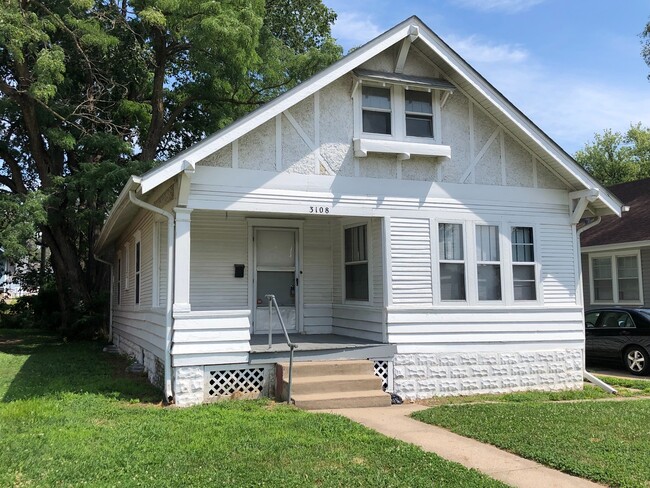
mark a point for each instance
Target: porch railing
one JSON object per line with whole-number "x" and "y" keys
{"x": 274, "y": 304}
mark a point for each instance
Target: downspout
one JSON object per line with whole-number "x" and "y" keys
{"x": 585, "y": 374}
{"x": 110, "y": 308}
{"x": 169, "y": 393}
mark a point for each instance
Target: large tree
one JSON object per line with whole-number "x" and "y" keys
{"x": 94, "y": 90}
{"x": 613, "y": 157}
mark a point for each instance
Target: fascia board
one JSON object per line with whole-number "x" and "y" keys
{"x": 615, "y": 247}
{"x": 275, "y": 107}
{"x": 131, "y": 185}
{"x": 482, "y": 86}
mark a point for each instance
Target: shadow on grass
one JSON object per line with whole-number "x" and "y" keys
{"x": 39, "y": 364}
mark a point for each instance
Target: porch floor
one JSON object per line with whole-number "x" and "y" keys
{"x": 311, "y": 347}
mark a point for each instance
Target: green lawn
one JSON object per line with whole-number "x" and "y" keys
{"x": 71, "y": 416}
{"x": 606, "y": 441}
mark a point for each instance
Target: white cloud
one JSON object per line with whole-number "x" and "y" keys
{"x": 508, "y": 6}
{"x": 475, "y": 51}
{"x": 354, "y": 29}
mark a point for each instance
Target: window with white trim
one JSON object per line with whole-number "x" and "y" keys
{"x": 488, "y": 262}
{"x": 376, "y": 106}
{"x": 452, "y": 262}
{"x": 356, "y": 263}
{"x": 119, "y": 280}
{"x": 523, "y": 264}
{"x": 616, "y": 278}
{"x": 138, "y": 264}
{"x": 418, "y": 113}
{"x": 127, "y": 253}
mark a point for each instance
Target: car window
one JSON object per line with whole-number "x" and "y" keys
{"x": 616, "y": 320}
{"x": 591, "y": 319}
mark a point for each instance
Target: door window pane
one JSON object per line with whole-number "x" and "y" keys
{"x": 278, "y": 283}
{"x": 276, "y": 248}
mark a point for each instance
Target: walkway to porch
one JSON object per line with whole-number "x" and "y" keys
{"x": 316, "y": 347}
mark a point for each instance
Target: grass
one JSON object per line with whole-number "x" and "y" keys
{"x": 605, "y": 441}
{"x": 70, "y": 416}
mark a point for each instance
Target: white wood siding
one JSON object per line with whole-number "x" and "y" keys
{"x": 411, "y": 261}
{"x": 219, "y": 241}
{"x": 558, "y": 254}
{"x": 163, "y": 259}
{"x": 205, "y": 338}
{"x": 446, "y": 330}
{"x": 145, "y": 329}
{"x": 317, "y": 276}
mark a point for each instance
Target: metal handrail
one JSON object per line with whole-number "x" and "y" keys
{"x": 292, "y": 346}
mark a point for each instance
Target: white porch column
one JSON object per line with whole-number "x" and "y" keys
{"x": 182, "y": 261}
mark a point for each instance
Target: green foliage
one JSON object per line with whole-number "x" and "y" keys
{"x": 604, "y": 441}
{"x": 613, "y": 157}
{"x": 71, "y": 416}
{"x": 92, "y": 91}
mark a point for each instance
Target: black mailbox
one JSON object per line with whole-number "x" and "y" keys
{"x": 239, "y": 270}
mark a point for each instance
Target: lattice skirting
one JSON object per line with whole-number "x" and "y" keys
{"x": 384, "y": 369}
{"x": 235, "y": 381}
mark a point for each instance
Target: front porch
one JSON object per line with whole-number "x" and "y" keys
{"x": 317, "y": 347}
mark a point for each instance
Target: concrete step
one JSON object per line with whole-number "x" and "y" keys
{"x": 348, "y": 399}
{"x": 331, "y": 384}
{"x": 327, "y": 368}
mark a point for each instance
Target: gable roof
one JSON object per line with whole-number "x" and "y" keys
{"x": 633, "y": 226}
{"x": 456, "y": 70}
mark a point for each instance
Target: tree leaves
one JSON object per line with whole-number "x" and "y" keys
{"x": 613, "y": 157}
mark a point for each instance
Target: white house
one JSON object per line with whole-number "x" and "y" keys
{"x": 398, "y": 207}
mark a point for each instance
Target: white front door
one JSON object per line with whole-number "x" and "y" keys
{"x": 276, "y": 261}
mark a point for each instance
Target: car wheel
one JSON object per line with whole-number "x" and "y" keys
{"x": 636, "y": 360}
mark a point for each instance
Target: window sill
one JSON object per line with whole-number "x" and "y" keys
{"x": 403, "y": 149}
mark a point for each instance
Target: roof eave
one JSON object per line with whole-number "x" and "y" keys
{"x": 133, "y": 184}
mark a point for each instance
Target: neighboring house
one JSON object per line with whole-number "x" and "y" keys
{"x": 8, "y": 289}
{"x": 616, "y": 252}
{"x": 399, "y": 208}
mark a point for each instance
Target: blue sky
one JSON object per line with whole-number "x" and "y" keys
{"x": 573, "y": 66}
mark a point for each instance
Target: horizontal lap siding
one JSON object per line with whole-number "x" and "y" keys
{"x": 454, "y": 330}
{"x": 585, "y": 280}
{"x": 411, "y": 261}
{"x": 146, "y": 329}
{"x": 357, "y": 321}
{"x": 218, "y": 243}
{"x": 558, "y": 254}
{"x": 317, "y": 262}
{"x": 163, "y": 252}
{"x": 377, "y": 262}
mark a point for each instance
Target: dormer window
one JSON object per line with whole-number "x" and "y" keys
{"x": 419, "y": 113}
{"x": 399, "y": 114}
{"x": 377, "y": 111}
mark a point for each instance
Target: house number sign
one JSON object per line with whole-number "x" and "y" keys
{"x": 319, "y": 210}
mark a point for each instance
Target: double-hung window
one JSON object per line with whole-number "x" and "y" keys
{"x": 615, "y": 278}
{"x": 356, "y": 263}
{"x": 418, "y": 113}
{"x": 452, "y": 262}
{"x": 488, "y": 262}
{"x": 377, "y": 110}
{"x": 138, "y": 263}
{"x": 523, "y": 263}
{"x": 119, "y": 280}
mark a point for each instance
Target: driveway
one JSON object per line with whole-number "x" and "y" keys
{"x": 618, "y": 372}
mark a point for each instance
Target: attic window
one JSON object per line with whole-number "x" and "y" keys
{"x": 399, "y": 114}
{"x": 376, "y": 107}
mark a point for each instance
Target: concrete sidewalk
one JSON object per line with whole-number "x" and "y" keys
{"x": 395, "y": 422}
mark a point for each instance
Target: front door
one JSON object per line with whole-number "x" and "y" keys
{"x": 276, "y": 261}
